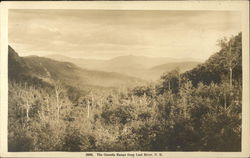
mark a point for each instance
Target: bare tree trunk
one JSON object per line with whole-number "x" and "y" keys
{"x": 231, "y": 77}
{"x": 230, "y": 64}
{"x": 185, "y": 107}
{"x": 57, "y": 105}
{"x": 58, "y": 91}
{"x": 57, "y": 98}
{"x": 58, "y": 114}
{"x": 88, "y": 109}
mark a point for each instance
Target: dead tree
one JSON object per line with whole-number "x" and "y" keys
{"x": 58, "y": 92}
{"x": 29, "y": 98}
{"x": 88, "y": 110}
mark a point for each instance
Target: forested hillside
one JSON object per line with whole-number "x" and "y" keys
{"x": 222, "y": 66}
{"x": 197, "y": 110}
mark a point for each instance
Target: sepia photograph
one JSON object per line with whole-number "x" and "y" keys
{"x": 124, "y": 80}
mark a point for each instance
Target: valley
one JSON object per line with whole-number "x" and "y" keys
{"x": 146, "y": 68}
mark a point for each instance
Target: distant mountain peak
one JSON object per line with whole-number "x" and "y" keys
{"x": 47, "y": 70}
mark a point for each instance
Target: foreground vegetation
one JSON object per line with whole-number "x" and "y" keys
{"x": 199, "y": 110}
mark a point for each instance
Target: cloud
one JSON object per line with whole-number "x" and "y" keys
{"x": 109, "y": 33}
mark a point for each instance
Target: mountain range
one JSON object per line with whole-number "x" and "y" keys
{"x": 49, "y": 70}
{"x": 146, "y": 68}
{"x": 122, "y": 71}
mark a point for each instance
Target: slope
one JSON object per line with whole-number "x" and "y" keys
{"x": 217, "y": 68}
{"x": 49, "y": 70}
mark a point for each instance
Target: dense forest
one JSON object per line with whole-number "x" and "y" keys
{"x": 196, "y": 110}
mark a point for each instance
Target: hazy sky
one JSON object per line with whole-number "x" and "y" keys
{"x": 105, "y": 34}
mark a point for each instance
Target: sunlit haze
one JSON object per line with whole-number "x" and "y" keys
{"x": 105, "y": 34}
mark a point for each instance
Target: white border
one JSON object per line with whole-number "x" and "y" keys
{"x": 242, "y": 6}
